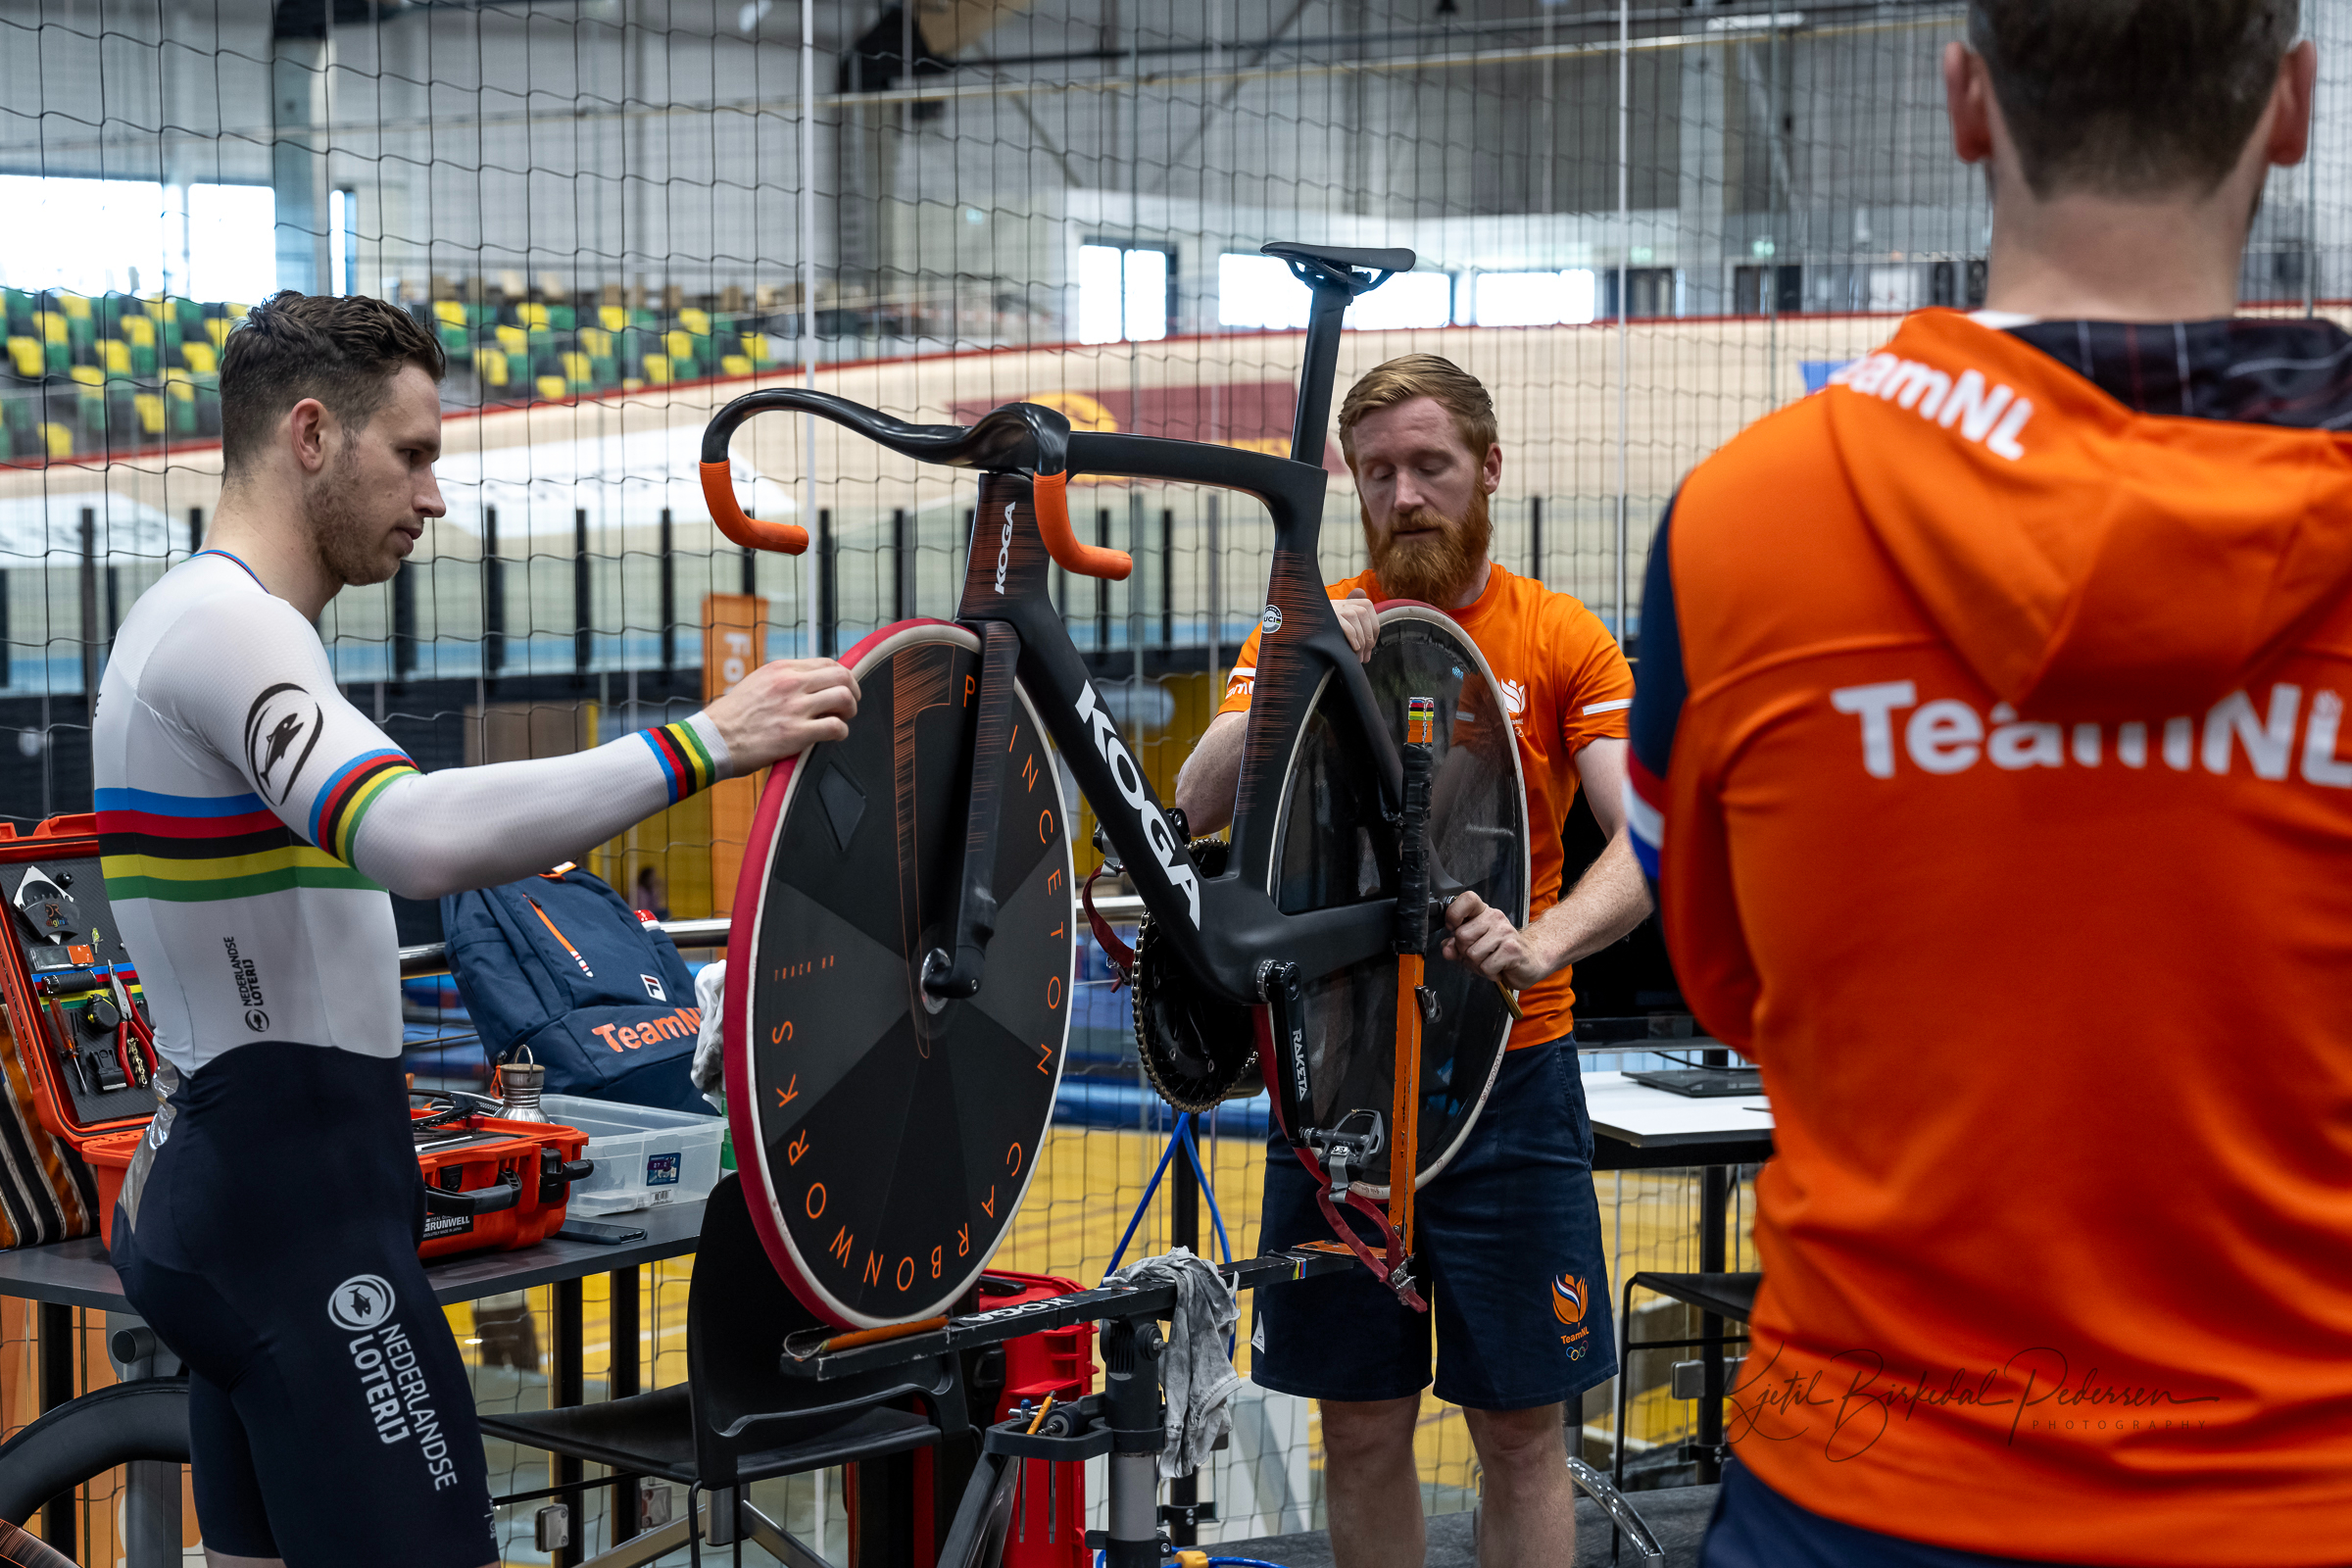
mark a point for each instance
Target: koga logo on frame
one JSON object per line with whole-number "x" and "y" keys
{"x": 1004, "y": 548}
{"x": 1173, "y": 861}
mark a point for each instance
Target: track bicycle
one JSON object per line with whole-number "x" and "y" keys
{"x": 899, "y": 972}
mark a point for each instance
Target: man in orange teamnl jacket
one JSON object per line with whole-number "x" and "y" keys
{"x": 1990, "y": 750}
{"x": 1508, "y": 1237}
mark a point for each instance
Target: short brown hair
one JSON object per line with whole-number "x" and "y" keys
{"x": 341, "y": 349}
{"x": 1422, "y": 376}
{"x": 2132, "y": 97}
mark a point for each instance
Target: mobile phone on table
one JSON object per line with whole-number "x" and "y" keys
{"x": 589, "y": 1230}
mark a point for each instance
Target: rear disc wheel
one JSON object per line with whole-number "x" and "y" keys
{"x": 1333, "y": 846}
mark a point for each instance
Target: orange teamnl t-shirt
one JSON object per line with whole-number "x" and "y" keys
{"x": 1565, "y": 684}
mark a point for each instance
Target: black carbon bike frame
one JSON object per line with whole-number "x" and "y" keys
{"x": 1226, "y": 931}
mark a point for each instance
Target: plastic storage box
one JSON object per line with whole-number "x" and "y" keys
{"x": 643, "y": 1156}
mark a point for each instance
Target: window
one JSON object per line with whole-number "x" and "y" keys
{"x": 1534, "y": 299}
{"x": 1124, "y": 294}
{"x": 1408, "y": 300}
{"x": 1262, "y": 292}
{"x": 343, "y": 237}
{"x": 94, "y": 235}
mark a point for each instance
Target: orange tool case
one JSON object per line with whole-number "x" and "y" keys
{"x": 78, "y": 1064}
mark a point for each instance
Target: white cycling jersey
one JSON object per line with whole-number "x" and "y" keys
{"x": 251, "y": 820}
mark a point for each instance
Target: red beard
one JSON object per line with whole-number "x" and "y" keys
{"x": 1436, "y": 567}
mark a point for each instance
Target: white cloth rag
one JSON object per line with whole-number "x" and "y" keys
{"x": 709, "y": 1064}
{"x": 1196, "y": 1368}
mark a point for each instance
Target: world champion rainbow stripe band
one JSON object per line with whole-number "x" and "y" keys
{"x": 685, "y": 761}
{"x": 344, "y": 801}
{"x": 200, "y": 848}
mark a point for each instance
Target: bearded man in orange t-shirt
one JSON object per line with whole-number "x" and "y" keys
{"x": 1508, "y": 1235}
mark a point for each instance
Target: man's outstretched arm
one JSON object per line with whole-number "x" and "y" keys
{"x": 260, "y": 693}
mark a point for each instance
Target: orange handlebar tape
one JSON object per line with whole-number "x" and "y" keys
{"x": 1051, "y": 491}
{"x": 719, "y": 489}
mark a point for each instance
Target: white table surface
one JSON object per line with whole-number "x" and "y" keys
{"x": 1646, "y": 1117}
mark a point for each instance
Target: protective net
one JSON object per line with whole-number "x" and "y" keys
{"x": 1643, "y": 226}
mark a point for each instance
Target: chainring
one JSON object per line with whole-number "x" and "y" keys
{"x": 1197, "y": 1050}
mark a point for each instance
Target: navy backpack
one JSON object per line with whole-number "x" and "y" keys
{"x": 561, "y": 964}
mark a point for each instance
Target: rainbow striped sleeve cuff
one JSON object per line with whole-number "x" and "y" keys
{"x": 692, "y": 756}
{"x": 345, "y": 800}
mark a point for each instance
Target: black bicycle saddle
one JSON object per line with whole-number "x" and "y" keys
{"x": 1341, "y": 263}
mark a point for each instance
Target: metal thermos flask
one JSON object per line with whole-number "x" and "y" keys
{"x": 518, "y": 1087}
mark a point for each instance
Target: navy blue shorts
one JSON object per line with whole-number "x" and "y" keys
{"x": 1509, "y": 1252}
{"x": 267, "y": 1233}
{"x": 1755, "y": 1527}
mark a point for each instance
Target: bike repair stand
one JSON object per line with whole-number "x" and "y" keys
{"x": 1127, "y": 1420}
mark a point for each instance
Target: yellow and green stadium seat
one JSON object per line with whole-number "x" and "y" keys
{"x": 612, "y": 318}
{"x": 202, "y": 358}
{"x": 52, "y": 326}
{"x": 75, "y": 307}
{"x": 57, "y": 357}
{"x": 542, "y": 341}
{"x": 575, "y": 370}
{"x": 678, "y": 344}
{"x": 645, "y": 320}
{"x": 734, "y": 364}
{"x": 449, "y": 310}
{"x": 87, "y": 375}
{"x": 513, "y": 340}
{"x": 563, "y": 319}
{"x": 191, "y": 315}
{"x": 216, "y": 328}
{"x": 137, "y": 330}
{"x": 604, "y": 371}
{"x": 59, "y": 438}
{"x": 456, "y": 342}
{"x": 595, "y": 342}
{"x": 492, "y": 364}
{"x": 551, "y": 387}
{"x": 695, "y": 321}
{"x": 142, "y": 359}
{"x": 150, "y": 407}
{"x": 114, "y": 355}
{"x": 657, "y": 369}
{"x": 530, "y": 315}
{"x": 755, "y": 347}
{"x": 25, "y": 354}
{"x": 179, "y": 402}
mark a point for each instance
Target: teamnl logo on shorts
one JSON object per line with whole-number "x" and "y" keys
{"x": 1570, "y": 1300}
{"x": 392, "y": 1383}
